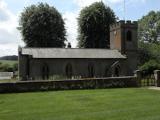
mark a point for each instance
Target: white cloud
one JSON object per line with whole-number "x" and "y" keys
{"x": 71, "y": 27}
{"x": 115, "y": 1}
{"x": 83, "y": 3}
{"x": 122, "y": 1}
{"x": 8, "y": 49}
{"x": 9, "y": 35}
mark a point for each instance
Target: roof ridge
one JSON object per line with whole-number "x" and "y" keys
{"x": 68, "y": 48}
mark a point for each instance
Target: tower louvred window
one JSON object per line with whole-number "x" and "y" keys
{"x": 129, "y": 35}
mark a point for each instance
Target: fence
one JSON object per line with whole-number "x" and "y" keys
{"x": 149, "y": 79}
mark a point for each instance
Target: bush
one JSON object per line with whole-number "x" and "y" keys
{"x": 8, "y": 68}
{"x": 15, "y": 67}
{"x": 150, "y": 66}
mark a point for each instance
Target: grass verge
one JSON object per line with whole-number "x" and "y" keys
{"x": 105, "y": 104}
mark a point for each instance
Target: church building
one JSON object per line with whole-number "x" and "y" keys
{"x": 119, "y": 60}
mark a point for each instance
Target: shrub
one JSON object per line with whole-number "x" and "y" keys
{"x": 8, "y": 68}
{"x": 150, "y": 66}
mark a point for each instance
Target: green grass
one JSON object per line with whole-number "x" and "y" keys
{"x": 109, "y": 104}
{"x": 8, "y": 81}
{"x": 9, "y": 62}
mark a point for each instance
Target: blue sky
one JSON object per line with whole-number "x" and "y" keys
{"x": 10, "y": 11}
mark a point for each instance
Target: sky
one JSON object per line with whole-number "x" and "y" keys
{"x": 10, "y": 10}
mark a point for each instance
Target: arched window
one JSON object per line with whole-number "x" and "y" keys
{"x": 90, "y": 70}
{"x": 69, "y": 70}
{"x": 129, "y": 35}
{"x": 117, "y": 71}
{"x": 45, "y": 72}
{"x": 106, "y": 72}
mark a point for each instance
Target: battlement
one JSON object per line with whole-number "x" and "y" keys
{"x": 123, "y": 23}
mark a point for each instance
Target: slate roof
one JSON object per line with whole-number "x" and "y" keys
{"x": 71, "y": 53}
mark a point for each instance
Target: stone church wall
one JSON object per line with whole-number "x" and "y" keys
{"x": 96, "y": 83}
{"x": 102, "y": 67}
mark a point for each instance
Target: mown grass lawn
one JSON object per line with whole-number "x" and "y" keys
{"x": 108, "y": 104}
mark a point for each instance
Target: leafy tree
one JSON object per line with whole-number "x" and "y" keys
{"x": 150, "y": 66}
{"x": 148, "y": 51}
{"x": 149, "y": 38}
{"x": 144, "y": 53}
{"x": 149, "y": 27}
{"x": 42, "y": 26}
{"x": 94, "y": 26}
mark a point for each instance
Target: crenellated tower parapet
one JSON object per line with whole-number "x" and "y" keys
{"x": 123, "y": 35}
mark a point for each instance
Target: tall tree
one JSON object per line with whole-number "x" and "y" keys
{"x": 149, "y": 37}
{"x": 94, "y": 26}
{"x": 149, "y": 27}
{"x": 42, "y": 26}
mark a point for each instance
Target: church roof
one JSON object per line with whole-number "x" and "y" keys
{"x": 71, "y": 53}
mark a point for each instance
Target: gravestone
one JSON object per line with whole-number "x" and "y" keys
{"x": 6, "y": 75}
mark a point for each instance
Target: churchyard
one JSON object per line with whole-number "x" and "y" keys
{"x": 98, "y": 104}
{"x": 106, "y": 78}
{"x": 103, "y": 104}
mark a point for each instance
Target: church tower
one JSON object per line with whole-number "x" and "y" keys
{"x": 123, "y": 37}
